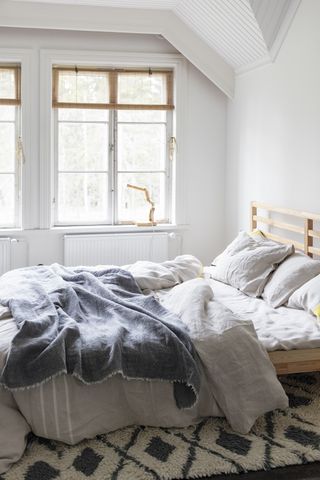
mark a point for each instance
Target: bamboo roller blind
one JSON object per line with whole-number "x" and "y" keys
{"x": 10, "y": 88}
{"x": 121, "y": 89}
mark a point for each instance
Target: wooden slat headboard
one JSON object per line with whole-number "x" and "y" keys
{"x": 306, "y": 230}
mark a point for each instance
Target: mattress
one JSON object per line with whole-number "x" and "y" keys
{"x": 280, "y": 328}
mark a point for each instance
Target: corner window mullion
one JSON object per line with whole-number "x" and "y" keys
{"x": 18, "y": 168}
{"x": 111, "y": 184}
{"x": 54, "y": 201}
{"x": 115, "y": 167}
{"x": 170, "y": 158}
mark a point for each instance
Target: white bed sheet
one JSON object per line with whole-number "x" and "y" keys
{"x": 280, "y": 328}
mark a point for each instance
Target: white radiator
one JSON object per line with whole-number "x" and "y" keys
{"x": 5, "y": 255}
{"x": 115, "y": 249}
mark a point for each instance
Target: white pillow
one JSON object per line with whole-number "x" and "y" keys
{"x": 246, "y": 264}
{"x": 307, "y": 297}
{"x": 289, "y": 276}
{"x": 256, "y": 234}
{"x": 155, "y": 276}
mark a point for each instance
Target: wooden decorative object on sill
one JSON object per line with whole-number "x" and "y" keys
{"x": 151, "y": 222}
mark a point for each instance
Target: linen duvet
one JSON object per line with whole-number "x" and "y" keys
{"x": 237, "y": 379}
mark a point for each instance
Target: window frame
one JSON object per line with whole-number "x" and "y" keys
{"x": 168, "y": 171}
{"x": 17, "y": 168}
{"x": 56, "y": 222}
{"x": 26, "y": 195}
{"x": 15, "y": 103}
{"x": 49, "y": 58}
{"x": 112, "y": 214}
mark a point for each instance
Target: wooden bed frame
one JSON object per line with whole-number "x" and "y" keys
{"x": 300, "y": 360}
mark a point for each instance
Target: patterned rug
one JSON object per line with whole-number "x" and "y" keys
{"x": 279, "y": 438}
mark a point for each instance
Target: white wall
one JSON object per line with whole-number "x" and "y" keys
{"x": 205, "y": 166}
{"x": 205, "y": 139}
{"x": 274, "y": 127}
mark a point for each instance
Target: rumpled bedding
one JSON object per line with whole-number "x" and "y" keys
{"x": 237, "y": 378}
{"x": 241, "y": 375}
{"x": 93, "y": 324}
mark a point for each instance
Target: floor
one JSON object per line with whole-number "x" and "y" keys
{"x": 311, "y": 471}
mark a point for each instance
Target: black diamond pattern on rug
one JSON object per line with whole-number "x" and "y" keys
{"x": 159, "y": 449}
{"x": 87, "y": 462}
{"x": 296, "y": 401}
{"x": 51, "y": 445}
{"x": 234, "y": 443}
{"x": 41, "y": 471}
{"x": 304, "y": 437}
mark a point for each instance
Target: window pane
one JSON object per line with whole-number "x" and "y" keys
{"x": 132, "y": 205}
{"x": 7, "y": 200}
{"x": 7, "y": 83}
{"x": 7, "y": 147}
{"x": 83, "y": 115}
{"x": 82, "y": 197}
{"x": 135, "y": 88}
{"x": 83, "y": 146}
{"x": 7, "y": 113}
{"x": 147, "y": 116}
{"x": 83, "y": 87}
{"x": 141, "y": 147}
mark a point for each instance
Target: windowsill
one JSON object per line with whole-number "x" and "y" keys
{"x": 87, "y": 229}
{"x": 163, "y": 227}
{"x": 5, "y": 232}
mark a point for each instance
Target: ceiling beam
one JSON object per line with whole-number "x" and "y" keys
{"x": 200, "y": 54}
{"x": 123, "y": 20}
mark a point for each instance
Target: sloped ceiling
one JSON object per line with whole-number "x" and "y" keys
{"x": 221, "y": 37}
{"x": 229, "y": 27}
{"x": 274, "y": 18}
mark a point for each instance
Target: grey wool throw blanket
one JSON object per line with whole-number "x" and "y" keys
{"x": 93, "y": 324}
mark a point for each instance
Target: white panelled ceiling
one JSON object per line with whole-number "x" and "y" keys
{"x": 271, "y": 15}
{"x": 245, "y": 33}
{"x": 229, "y": 27}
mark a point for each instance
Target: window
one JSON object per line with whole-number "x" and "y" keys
{"x": 9, "y": 145}
{"x": 111, "y": 128}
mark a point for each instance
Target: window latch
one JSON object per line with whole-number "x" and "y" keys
{"x": 20, "y": 151}
{"x": 172, "y": 147}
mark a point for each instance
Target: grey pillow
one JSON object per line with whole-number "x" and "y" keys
{"x": 247, "y": 264}
{"x": 289, "y": 276}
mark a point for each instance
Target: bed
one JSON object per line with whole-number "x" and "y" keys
{"x": 228, "y": 355}
{"x": 297, "y": 230}
{"x": 233, "y": 358}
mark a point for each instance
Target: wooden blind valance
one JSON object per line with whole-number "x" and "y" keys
{"x": 10, "y": 85}
{"x": 124, "y": 89}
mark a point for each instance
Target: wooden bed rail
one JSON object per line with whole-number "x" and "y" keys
{"x": 300, "y": 360}
{"x": 296, "y": 361}
{"x": 306, "y": 230}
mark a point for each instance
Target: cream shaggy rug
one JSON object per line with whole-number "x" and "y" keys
{"x": 211, "y": 447}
